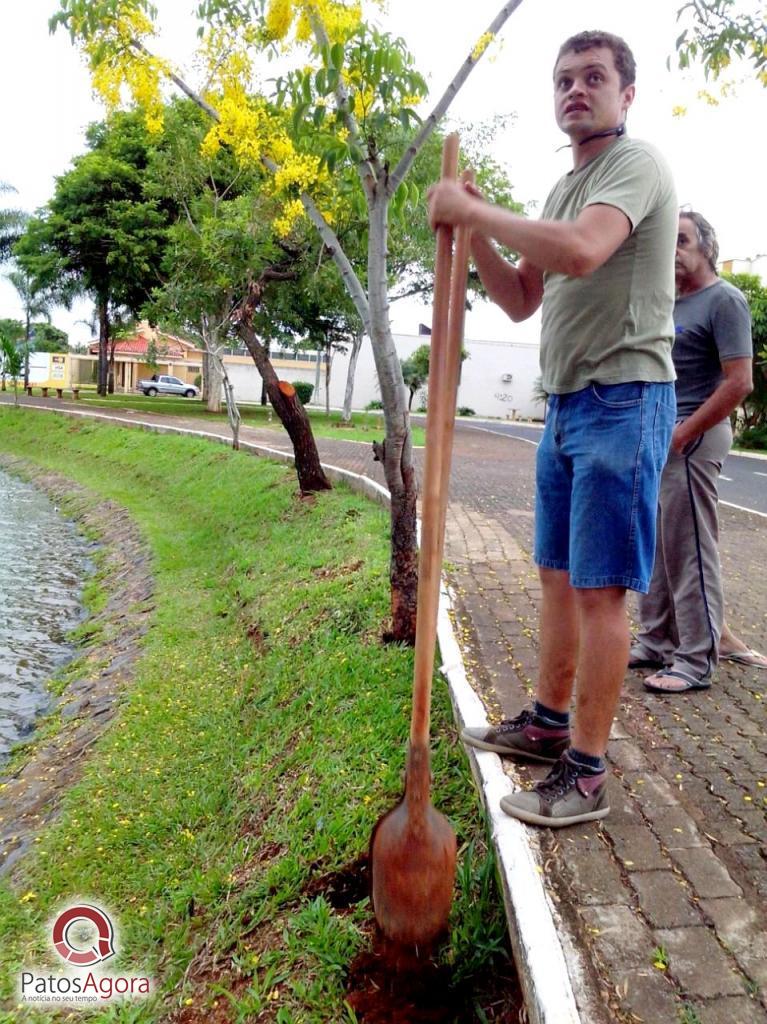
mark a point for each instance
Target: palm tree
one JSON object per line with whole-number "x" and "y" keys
{"x": 11, "y": 225}
{"x": 36, "y": 303}
{"x": 10, "y": 361}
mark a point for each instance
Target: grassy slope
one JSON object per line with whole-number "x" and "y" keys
{"x": 366, "y": 426}
{"x": 261, "y": 739}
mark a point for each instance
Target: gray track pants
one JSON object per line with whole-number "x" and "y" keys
{"x": 681, "y": 617}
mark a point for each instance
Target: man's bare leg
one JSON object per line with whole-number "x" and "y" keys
{"x": 604, "y": 653}
{"x": 558, "y": 639}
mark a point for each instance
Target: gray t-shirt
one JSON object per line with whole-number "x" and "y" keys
{"x": 711, "y": 325}
{"x": 614, "y": 325}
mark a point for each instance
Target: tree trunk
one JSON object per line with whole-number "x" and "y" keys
{"x": 327, "y": 379}
{"x": 397, "y": 452}
{"x": 215, "y": 380}
{"x": 210, "y": 328}
{"x": 292, "y": 414}
{"x": 111, "y": 370}
{"x": 264, "y": 396}
{"x": 232, "y": 412}
{"x": 205, "y": 391}
{"x": 101, "y": 386}
{"x": 346, "y": 415}
{"x": 27, "y": 333}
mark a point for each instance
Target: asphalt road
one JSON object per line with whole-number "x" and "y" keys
{"x": 743, "y": 483}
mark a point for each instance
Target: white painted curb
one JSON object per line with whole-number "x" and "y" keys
{"x": 538, "y": 951}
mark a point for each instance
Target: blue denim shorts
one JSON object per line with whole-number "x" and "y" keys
{"x": 598, "y": 474}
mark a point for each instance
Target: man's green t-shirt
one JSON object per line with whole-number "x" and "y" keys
{"x": 614, "y": 325}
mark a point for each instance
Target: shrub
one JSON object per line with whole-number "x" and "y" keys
{"x": 375, "y": 404}
{"x": 753, "y": 437}
{"x": 464, "y": 410}
{"x": 198, "y": 381}
{"x": 304, "y": 390}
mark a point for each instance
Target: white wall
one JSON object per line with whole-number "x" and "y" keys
{"x": 484, "y": 385}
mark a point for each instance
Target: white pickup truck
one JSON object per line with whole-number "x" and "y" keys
{"x": 162, "y": 384}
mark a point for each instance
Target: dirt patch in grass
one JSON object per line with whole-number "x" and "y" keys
{"x": 333, "y": 572}
{"x": 388, "y": 984}
{"x": 257, "y": 638}
{"x": 342, "y": 889}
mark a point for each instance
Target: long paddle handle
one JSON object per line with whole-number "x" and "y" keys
{"x": 444, "y": 363}
{"x": 456, "y": 320}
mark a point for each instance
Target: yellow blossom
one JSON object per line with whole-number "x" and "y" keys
{"x": 704, "y": 94}
{"x": 481, "y": 45}
{"x": 291, "y": 212}
{"x": 278, "y": 18}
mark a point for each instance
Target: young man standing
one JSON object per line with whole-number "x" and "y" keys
{"x": 682, "y": 615}
{"x": 601, "y": 264}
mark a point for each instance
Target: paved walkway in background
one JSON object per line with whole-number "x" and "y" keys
{"x": 677, "y": 873}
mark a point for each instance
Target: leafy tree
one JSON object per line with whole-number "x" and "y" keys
{"x": 338, "y": 131}
{"x": 313, "y": 311}
{"x": 717, "y": 30}
{"x": 539, "y": 395}
{"x": 755, "y": 405}
{"x": 224, "y": 257}
{"x": 99, "y": 235}
{"x": 11, "y": 225}
{"x": 415, "y": 371}
{"x": 11, "y": 362}
{"x": 13, "y": 329}
{"x": 48, "y": 338}
{"x": 35, "y": 301}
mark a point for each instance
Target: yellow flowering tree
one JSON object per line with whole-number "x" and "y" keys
{"x": 338, "y": 130}
{"x": 718, "y": 30}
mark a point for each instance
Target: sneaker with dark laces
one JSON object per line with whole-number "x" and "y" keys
{"x": 524, "y": 737}
{"x": 568, "y": 795}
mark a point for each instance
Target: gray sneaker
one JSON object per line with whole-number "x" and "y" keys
{"x": 523, "y": 737}
{"x": 564, "y": 797}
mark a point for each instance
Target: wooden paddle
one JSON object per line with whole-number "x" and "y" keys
{"x": 413, "y": 846}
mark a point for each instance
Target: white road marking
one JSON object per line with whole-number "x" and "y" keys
{"x": 727, "y": 478}
{"x": 502, "y": 433}
{"x": 757, "y": 473}
{"x": 742, "y": 508}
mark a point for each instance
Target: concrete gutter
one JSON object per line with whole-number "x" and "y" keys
{"x": 535, "y": 938}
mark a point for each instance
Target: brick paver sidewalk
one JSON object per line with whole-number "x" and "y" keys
{"x": 679, "y": 864}
{"x": 662, "y": 905}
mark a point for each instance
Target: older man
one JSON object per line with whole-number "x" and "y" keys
{"x": 682, "y": 615}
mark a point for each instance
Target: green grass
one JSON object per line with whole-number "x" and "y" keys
{"x": 262, "y": 737}
{"x": 366, "y": 426}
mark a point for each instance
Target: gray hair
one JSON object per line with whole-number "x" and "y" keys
{"x": 706, "y": 236}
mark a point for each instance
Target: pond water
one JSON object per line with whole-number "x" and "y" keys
{"x": 43, "y": 565}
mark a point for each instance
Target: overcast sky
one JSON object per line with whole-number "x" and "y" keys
{"x": 716, "y": 153}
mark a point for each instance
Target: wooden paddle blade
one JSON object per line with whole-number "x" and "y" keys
{"x": 413, "y": 875}
{"x": 412, "y": 862}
